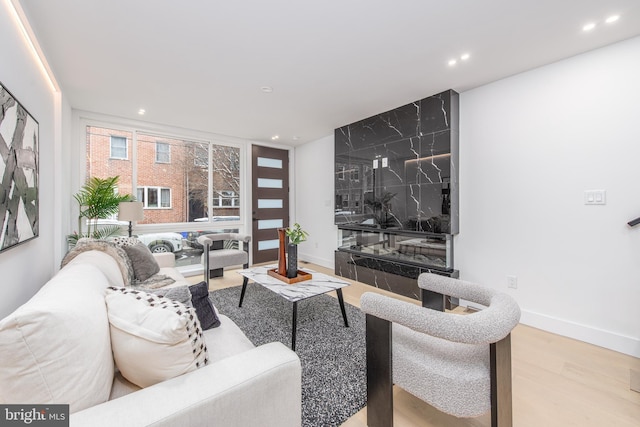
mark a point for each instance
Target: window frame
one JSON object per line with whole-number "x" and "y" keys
{"x": 126, "y": 147}
{"x": 355, "y": 173}
{"x": 84, "y": 119}
{"x": 145, "y": 196}
{"x": 167, "y": 153}
{"x": 218, "y": 198}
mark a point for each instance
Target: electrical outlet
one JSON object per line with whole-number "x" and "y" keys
{"x": 512, "y": 282}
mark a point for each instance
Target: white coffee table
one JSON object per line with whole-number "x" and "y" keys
{"x": 319, "y": 284}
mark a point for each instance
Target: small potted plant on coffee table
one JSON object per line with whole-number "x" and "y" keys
{"x": 296, "y": 236}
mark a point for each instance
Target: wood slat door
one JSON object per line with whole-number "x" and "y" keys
{"x": 270, "y": 200}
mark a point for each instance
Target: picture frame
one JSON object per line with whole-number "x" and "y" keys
{"x": 19, "y": 174}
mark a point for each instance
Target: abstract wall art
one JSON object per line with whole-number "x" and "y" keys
{"x": 19, "y": 140}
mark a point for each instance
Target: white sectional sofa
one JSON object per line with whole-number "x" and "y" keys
{"x": 56, "y": 348}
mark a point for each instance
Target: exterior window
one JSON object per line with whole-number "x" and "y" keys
{"x": 163, "y": 152}
{"x": 226, "y": 199}
{"x": 341, "y": 172}
{"x": 154, "y": 197}
{"x": 200, "y": 155}
{"x": 118, "y": 147}
{"x": 345, "y": 200}
{"x": 355, "y": 173}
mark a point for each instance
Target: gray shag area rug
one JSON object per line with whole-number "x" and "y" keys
{"x": 334, "y": 385}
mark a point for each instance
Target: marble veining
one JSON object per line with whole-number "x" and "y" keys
{"x": 391, "y": 276}
{"x": 318, "y": 284}
{"x": 398, "y": 169}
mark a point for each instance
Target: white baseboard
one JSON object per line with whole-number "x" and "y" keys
{"x": 327, "y": 263}
{"x": 607, "y": 339}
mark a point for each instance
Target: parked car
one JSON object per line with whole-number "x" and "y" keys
{"x": 162, "y": 242}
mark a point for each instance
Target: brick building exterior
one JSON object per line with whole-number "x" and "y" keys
{"x": 172, "y": 174}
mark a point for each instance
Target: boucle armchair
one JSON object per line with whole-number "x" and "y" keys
{"x": 459, "y": 364}
{"x": 220, "y": 256}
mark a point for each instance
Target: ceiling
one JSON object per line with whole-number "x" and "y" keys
{"x": 202, "y": 64}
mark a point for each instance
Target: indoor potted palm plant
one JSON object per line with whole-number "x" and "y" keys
{"x": 296, "y": 236}
{"x": 97, "y": 199}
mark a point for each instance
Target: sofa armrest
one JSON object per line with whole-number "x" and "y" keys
{"x": 165, "y": 259}
{"x": 261, "y": 386}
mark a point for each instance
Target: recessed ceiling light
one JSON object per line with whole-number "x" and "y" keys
{"x": 452, "y": 62}
{"x": 612, "y": 18}
{"x": 465, "y": 56}
{"x": 141, "y": 111}
{"x": 275, "y": 137}
{"x": 588, "y": 27}
{"x": 266, "y": 89}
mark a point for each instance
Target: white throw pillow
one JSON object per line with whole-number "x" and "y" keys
{"x": 153, "y": 338}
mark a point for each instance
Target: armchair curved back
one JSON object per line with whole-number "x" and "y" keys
{"x": 487, "y": 326}
{"x": 464, "y": 377}
{"x": 208, "y": 238}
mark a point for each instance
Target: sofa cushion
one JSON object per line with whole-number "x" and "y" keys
{"x": 56, "y": 348}
{"x": 173, "y": 273}
{"x": 153, "y": 338}
{"x": 227, "y": 340}
{"x": 204, "y": 306}
{"x": 143, "y": 262}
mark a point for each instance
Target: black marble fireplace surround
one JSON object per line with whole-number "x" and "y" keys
{"x": 396, "y": 194}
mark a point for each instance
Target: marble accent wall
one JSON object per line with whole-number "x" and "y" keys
{"x": 392, "y": 276}
{"x": 396, "y": 174}
{"x": 398, "y": 169}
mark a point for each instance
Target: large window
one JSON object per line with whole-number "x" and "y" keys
{"x": 178, "y": 180}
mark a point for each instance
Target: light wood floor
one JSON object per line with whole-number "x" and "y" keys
{"x": 557, "y": 381}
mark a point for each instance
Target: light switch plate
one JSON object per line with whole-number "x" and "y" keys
{"x": 595, "y": 197}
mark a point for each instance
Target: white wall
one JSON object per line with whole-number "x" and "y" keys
{"x": 529, "y": 147}
{"x": 26, "y": 267}
{"x": 314, "y": 200}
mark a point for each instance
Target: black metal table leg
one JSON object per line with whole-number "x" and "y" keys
{"x": 293, "y": 325}
{"x": 244, "y": 288}
{"x": 341, "y": 301}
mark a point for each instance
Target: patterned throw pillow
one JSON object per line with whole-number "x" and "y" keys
{"x": 124, "y": 241}
{"x": 153, "y": 338}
